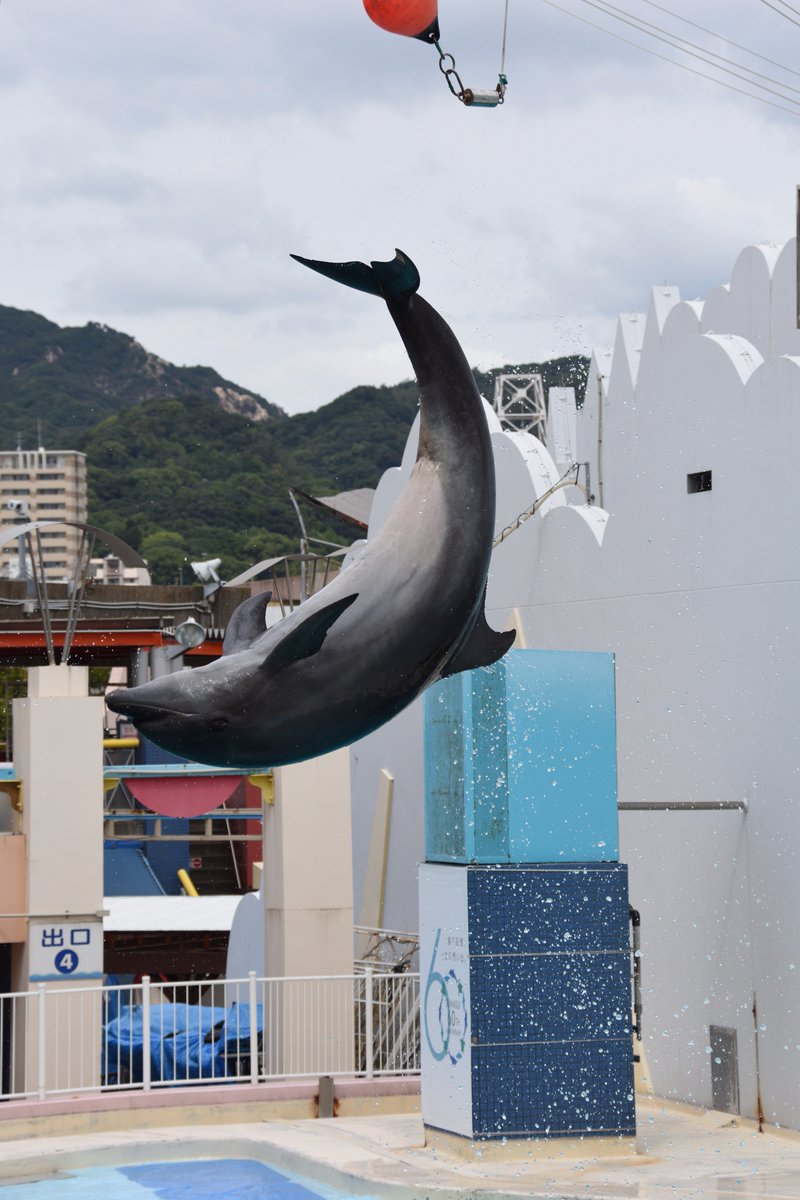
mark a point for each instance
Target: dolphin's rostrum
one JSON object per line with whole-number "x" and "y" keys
{"x": 408, "y": 611}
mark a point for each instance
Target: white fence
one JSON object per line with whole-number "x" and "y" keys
{"x": 60, "y": 1039}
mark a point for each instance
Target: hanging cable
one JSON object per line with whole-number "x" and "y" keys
{"x": 721, "y": 37}
{"x": 663, "y": 57}
{"x": 647, "y": 26}
{"x": 781, "y": 13}
{"x": 503, "y": 43}
{"x": 698, "y": 52}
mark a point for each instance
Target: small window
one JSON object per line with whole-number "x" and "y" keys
{"x": 700, "y": 481}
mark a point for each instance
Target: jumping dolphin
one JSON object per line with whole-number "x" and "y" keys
{"x": 408, "y": 611}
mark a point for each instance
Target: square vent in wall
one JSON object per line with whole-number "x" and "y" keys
{"x": 699, "y": 481}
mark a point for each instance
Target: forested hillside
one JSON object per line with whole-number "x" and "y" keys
{"x": 185, "y": 465}
{"x": 60, "y": 382}
{"x": 181, "y": 478}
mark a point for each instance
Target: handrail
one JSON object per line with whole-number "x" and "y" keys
{"x": 148, "y": 814}
{"x": 176, "y": 770}
{"x": 155, "y": 771}
{"x": 145, "y": 1034}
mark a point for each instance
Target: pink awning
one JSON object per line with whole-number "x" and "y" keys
{"x": 171, "y": 797}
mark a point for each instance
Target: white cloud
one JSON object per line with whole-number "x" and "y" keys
{"x": 160, "y": 162}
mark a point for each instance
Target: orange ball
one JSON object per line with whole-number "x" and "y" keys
{"x": 407, "y": 17}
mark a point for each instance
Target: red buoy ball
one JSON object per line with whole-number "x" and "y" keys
{"x": 411, "y": 18}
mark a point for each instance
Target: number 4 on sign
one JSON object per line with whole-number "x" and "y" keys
{"x": 66, "y": 961}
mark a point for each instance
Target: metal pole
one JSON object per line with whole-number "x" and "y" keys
{"x": 43, "y": 572}
{"x": 303, "y": 547}
{"x": 42, "y": 1031}
{"x": 289, "y": 598}
{"x": 22, "y": 566}
{"x": 73, "y": 593}
{"x": 78, "y": 588}
{"x": 368, "y": 1031}
{"x": 599, "y": 439}
{"x": 140, "y": 672}
{"x": 682, "y": 806}
{"x": 636, "y": 938}
{"x": 231, "y": 841}
{"x": 160, "y": 664}
{"x": 42, "y": 597}
{"x": 146, "y": 1074}
{"x": 253, "y": 1002}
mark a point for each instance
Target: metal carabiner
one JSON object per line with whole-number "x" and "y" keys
{"x": 450, "y": 73}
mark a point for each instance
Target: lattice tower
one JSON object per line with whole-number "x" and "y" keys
{"x": 519, "y": 403}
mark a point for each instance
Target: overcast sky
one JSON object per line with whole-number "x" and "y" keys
{"x": 160, "y": 159}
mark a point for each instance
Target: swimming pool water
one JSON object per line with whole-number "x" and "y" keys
{"x": 206, "y": 1179}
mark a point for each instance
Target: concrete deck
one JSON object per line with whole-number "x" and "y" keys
{"x": 682, "y": 1152}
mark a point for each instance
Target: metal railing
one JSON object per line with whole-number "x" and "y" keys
{"x": 58, "y": 1040}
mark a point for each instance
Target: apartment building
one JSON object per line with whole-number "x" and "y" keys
{"x": 43, "y": 485}
{"x": 112, "y": 570}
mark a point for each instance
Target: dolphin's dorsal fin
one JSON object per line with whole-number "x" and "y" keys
{"x": 249, "y": 621}
{"x": 392, "y": 280}
{"x": 483, "y": 647}
{"x": 307, "y": 636}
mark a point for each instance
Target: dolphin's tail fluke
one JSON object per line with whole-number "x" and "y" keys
{"x": 393, "y": 280}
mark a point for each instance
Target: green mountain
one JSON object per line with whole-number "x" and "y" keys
{"x": 219, "y": 485}
{"x": 185, "y": 465}
{"x": 63, "y": 381}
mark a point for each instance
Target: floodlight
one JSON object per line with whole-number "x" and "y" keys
{"x": 206, "y": 572}
{"x": 190, "y": 634}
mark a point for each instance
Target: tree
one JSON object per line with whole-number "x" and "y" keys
{"x": 165, "y": 552}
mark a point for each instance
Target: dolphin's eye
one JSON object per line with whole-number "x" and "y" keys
{"x": 218, "y": 723}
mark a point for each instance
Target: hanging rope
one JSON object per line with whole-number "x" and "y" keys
{"x": 503, "y": 79}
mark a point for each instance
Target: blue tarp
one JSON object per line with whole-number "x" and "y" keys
{"x": 187, "y": 1042}
{"x": 128, "y": 872}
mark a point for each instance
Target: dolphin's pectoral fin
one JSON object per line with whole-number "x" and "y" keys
{"x": 392, "y": 280}
{"x": 307, "y": 638}
{"x": 483, "y": 647}
{"x": 247, "y": 623}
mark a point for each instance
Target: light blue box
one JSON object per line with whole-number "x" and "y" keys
{"x": 521, "y": 763}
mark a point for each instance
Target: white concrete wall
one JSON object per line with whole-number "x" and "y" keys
{"x": 697, "y": 594}
{"x": 307, "y": 898}
{"x": 59, "y": 758}
{"x": 698, "y": 597}
{"x": 308, "y": 893}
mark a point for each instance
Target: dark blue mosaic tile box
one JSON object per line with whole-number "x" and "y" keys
{"x": 531, "y": 965}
